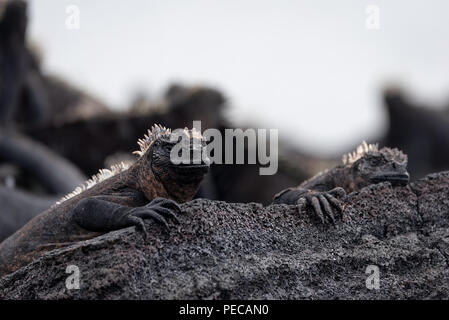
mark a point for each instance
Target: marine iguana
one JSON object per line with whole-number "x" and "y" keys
{"x": 366, "y": 165}
{"x": 114, "y": 199}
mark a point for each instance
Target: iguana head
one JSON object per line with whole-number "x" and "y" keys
{"x": 180, "y": 180}
{"x": 372, "y": 165}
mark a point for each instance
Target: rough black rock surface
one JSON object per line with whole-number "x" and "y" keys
{"x": 247, "y": 251}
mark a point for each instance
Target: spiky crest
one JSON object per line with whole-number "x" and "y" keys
{"x": 352, "y": 157}
{"x": 102, "y": 175}
{"x": 154, "y": 133}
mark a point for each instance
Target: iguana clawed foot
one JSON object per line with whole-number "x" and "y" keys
{"x": 323, "y": 203}
{"x": 159, "y": 210}
{"x": 96, "y": 214}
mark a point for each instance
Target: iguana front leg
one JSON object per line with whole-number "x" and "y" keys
{"x": 99, "y": 215}
{"x": 321, "y": 201}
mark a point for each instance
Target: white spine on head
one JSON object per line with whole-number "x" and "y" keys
{"x": 154, "y": 133}
{"x": 350, "y": 158}
{"x": 158, "y": 131}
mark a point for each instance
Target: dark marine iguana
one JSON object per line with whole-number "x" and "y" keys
{"x": 114, "y": 199}
{"x": 367, "y": 165}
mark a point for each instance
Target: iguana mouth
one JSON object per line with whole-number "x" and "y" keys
{"x": 203, "y": 165}
{"x": 200, "y": 167}
{"x": 395, "y": 178}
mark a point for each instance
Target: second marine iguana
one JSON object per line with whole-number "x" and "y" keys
{"x": 114, "y": 199}
{"x": 367, "y": 165}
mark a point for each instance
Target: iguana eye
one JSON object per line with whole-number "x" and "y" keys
{"x": 374, "y": 162}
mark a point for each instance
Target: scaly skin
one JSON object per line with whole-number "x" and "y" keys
{"x": 149, "y": 189}
{"x": 366, "y": 166}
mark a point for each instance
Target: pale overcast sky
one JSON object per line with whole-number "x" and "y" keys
{"x": 310, "y": 68}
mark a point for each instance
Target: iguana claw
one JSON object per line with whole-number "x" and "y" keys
{"x": 159, "y": 210}
{"x": 322, "y": 203}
